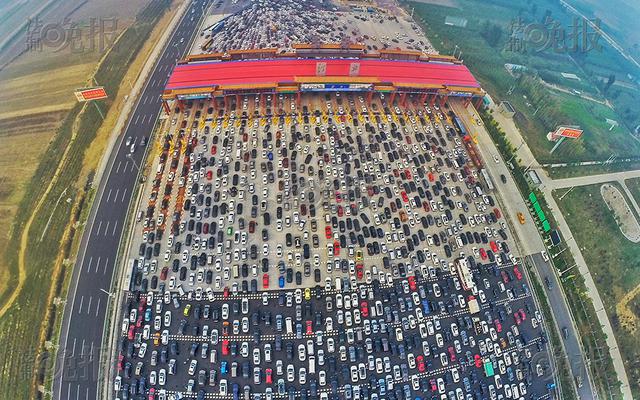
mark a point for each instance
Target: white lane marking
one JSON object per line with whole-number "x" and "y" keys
{"x": 115, "y": 198}
{"x": 126, "y": 164}
{"x": 98, "y": 228}
{"x": 89, "y": 264}
{"x": 106, "y": 228}
{"x": 132, "y": 167}
{"x": 109, "y": 195}
{"x": 118, "y": 167}
{"x": 89, "y": 305}
{"x": 69, "y": 391}
{"x": 80, "y": 306}
{"x": 82, "y": 349}
{"x": 97, "y": 309}
{"x": 73, "y": 349}
{"x": 143, "y": 119}
{"x": 123, "y": 194}
{"x": 136, "y": 121}
{"x": 90, "y": 358}
{"x": 115, "y": 225}
{"x": 106, "y": 263}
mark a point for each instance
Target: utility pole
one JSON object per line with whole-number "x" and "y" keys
{"x": 566, "y": 193}
{"x": 516, "y": 152}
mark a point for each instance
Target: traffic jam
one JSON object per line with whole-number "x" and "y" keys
{"x": 334, "y": 249}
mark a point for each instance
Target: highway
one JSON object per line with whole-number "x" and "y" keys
{"x": 531, "y": 245}
{"x": 77, "y": 363}
{"x": 561, "y": 314}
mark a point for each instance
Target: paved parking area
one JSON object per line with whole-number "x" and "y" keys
{"x": 264, "y": 218}
{"x": 281, "y": 23}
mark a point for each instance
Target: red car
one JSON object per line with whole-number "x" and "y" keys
{"x": 405, "y": 198}
{"x": 338, "y": 197}
{"x": 407, "y": 173}
{"x": 483, "y": 254}
{"x": 420, "y": 361}
{"x": 516, "y": 316}
{"x": 327, "y": 232}
{"x": 265, "y": 281}
{"x": 364, "y": 309}
{"x": 452, "y": 354}
{"x": 340, "y": 211}
{"x": 434, "y": 386}
{"x": 523, "y": 315}
{"x": 517, "y": 272}
{"x": 225, "y": 293}
{"x": 497, "y": 213}
{"x": 478, "y": 360}
{"x": 163, "y": 273}
{"x": 225, "y": 347}
{"x": 498, "y": 325}
{"x": 252, "y": 227}
{"x": 120, "y": 362}
{"x": 209, "y": 175}
{"x": 214, "y": 149}
{"x": 412, "y": 283}
{"x": 336, "y": 248}
{"x": 269, "y": 378}
{"x": 309, "y": 328}
{"x": 431, "y": 177}
{"x": 152, "y": 394}
{"x": 494, "y": 246}
{"x": 359, "y": 271}
{"x": 505, "y": 277}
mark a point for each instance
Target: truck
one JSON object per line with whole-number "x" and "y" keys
{"x": 474, "y": 308}
{"x": 488, "y": 368}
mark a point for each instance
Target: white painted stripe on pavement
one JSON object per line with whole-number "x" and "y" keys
{"x": 80, "y": 306}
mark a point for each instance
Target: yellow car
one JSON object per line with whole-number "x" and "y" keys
{"x": 187, "y": 310}
{"x": 307, "y": 294}
{"x": 359, "y": 257}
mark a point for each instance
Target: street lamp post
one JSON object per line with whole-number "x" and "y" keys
{"x": 130, "y": 157}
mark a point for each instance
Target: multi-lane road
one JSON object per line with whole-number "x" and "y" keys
{"x": 77, "y": 363}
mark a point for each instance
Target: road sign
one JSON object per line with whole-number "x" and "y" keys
{"x": 92, "y": 93}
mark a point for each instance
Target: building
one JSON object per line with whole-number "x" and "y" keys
{"x": 328, "y": 67}
{"x": 507, "y": 109}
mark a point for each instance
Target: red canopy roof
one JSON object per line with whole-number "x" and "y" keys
{"x": 287, "y": 70}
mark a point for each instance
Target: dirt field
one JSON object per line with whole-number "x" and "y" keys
{"x": 625, "y": 218}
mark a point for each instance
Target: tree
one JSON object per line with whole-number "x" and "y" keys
{"x": 492, "y": 33}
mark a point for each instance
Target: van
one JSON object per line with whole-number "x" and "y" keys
{"x": 312, "y": 364}
{"x": 236, "y": 271}
{"x": 289, "y": 325}
{"x": 338, "y": 284}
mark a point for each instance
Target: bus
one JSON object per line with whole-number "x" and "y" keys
{"x": 466, "y": 279}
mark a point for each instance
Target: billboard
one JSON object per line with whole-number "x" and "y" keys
{"x": 92, "y": 93}
{"x": 572, "y": 133}
{"x": 565, "y": 132}
{"x": 194, "y": 96}
{"x": 311, "y": 87}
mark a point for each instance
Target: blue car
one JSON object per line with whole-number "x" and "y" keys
{"x": 223, "y": 368}
{"x": 281, "y": 282}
